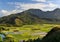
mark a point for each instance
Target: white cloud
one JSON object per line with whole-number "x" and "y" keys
{"x": 6, "y": 12}
{"x": 53, "y": 5}
{"x": 39, "y": 0}
{"x": 35, "y": 6}
{"x": 45, "y": 7}
{"x": 24, "y": 6}
{"x": 15, "y": 11}
{"x": 19, "y": 7}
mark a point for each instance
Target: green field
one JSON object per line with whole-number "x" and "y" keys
{"x": 28, "y": 31}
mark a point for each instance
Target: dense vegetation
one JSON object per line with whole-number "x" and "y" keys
{"x": 31, "y": 26}
{"x": 53, "y": 35}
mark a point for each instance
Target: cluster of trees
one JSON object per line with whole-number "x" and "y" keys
{"x": 2, "y": 28}
{"x": 53, "y": 35}
{"x": 8, "y": 39}
{"x": 30, "y": 40}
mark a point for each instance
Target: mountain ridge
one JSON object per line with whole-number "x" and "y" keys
{"x": 31, "y": 16}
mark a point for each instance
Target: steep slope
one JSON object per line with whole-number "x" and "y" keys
{"x": 20, "y": 19}
{"x": 53, "y": 35}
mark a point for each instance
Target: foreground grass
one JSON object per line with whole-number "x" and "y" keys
{"x": 28, "y": 31}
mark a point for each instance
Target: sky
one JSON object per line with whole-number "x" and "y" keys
{"x": 8, "y": 7}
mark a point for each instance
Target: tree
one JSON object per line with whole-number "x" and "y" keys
{"x": 8, "y": 39}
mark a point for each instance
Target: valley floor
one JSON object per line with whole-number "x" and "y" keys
{"x": 28, "y": 31}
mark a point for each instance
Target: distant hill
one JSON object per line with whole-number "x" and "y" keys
{"x": 31, "y": 16}
{"x": 55, "y": 14}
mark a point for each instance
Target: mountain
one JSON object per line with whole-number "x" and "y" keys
{"x": 31, "y": 16}
{"x": 19, "y": 19}
{"x": 55, "y": 14}
{"x": 53, "y": 35}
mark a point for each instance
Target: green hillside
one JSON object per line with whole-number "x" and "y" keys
{"x": 20, "y": 19}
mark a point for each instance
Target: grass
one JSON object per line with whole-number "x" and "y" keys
{"x": 29, "y": 31}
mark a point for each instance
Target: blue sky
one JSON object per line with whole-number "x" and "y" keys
{"x": 8, "y": 7}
